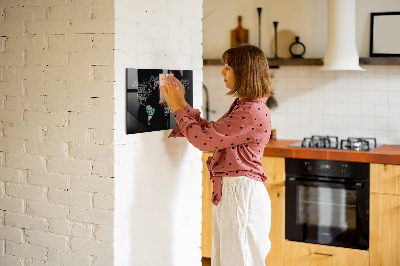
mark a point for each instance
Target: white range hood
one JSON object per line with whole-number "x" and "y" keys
{"x": 341, "y": 51}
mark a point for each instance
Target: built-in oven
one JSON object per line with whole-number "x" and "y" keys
{"x": 327, "y": 202}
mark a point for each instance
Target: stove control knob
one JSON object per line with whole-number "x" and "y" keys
{"x": 343, "y": 168}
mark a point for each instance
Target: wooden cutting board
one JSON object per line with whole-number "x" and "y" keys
{"x": 239, "y": 35}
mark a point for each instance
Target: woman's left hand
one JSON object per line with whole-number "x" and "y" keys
{"x": 170, "y": 90}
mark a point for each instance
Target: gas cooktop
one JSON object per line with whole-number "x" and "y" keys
{"x": 332, "y": 142}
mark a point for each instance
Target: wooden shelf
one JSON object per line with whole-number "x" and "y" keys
{"x": 273, "y": 63}
{"x": 380, "y": 61}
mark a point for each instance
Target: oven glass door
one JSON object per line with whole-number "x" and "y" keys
{"x": 326, "y": 213}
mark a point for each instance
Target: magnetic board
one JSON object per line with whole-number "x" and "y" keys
{"x": 146, "y": 109}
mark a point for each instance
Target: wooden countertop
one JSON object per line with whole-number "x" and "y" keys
{"x": 389, "y": 154}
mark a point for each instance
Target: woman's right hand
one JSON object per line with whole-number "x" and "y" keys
{"x": 181, "y": 90}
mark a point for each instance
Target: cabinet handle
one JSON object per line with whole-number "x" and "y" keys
{"x": 325, "y": 254}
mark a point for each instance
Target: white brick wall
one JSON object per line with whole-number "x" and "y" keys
{"x": 156, "y": 177}
{"x": 56, "y": 132}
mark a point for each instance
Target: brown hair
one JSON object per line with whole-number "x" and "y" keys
{"x": 250, "y": 66}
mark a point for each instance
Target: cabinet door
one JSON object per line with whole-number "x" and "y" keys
{"x": 277, "y": 233}
{"x": 384, "y": 229}
{"x": 274, "y": 168}
{"x": 206, "y": 232}
{"x": 385, "y": 178}
{"x": 304, "y": 254}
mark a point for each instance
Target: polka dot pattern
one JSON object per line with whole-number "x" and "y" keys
{"x": 238, "y": 139}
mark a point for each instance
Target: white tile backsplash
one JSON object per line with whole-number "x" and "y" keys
{"x": 343, "y": 103}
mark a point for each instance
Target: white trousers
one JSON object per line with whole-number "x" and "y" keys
{"x": 241, "y": 223}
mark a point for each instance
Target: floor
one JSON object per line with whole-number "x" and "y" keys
{"x": 206, "y": 261}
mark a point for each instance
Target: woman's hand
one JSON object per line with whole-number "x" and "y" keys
{"x": 174, "y": 94}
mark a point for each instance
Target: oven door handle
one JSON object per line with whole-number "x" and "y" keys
{"x": 357, "y": 185}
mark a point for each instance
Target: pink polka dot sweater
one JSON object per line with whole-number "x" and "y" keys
{"x": 238, "y": 139}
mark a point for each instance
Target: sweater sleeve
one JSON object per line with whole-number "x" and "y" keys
{"x": 231, "y": 130}
{"x": 193, "y": 113}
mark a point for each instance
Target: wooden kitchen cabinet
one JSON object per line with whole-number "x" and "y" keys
{"x": 305, "y": 254}
{"x": 384, "y": 237}
{"x": 385, "y": 178}
{"x": 274, "y": 168}
{"x": 206, "y": 225}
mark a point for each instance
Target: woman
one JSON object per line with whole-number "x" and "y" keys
{"x": 242, "y": 207}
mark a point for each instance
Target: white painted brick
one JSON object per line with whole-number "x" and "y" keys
{"x": 91, "y": 247}
{"x": 24, "y": 72}
{"x": 96, "y": 57}
{"x": 12, "y": 28}
{"x": 105, "y": 260}
{"x": 104, "y": 169}
{"x": 56, "y": 149}
{"x": 24, "y": 13}
{"x": 74, "y": 135}
{"x": 12, "y": 117}
{"x": 12, "y": 204}
{"x": 56, "y": 103}
{"x": 190, "y": 48}
{"x": 47, "y": 240}
{"x": 104, "y": 73}
{"x": 98, "y": 105}
{"x": 91, "y": 89}
{"x": 21, "y": 43}
{"x": 103, "y": 202}
{"x": 101, "y": 136}
{"x": 12, "y": 145}
{"x": 11, "y": 59}
{"x": 46, "y": 118}
{"x": 69, "y": 197}
{"x": 70, "y": 12}
{"x": 95, "y": 216}
{"x": 71, "y": 42}
{"x": 103, "y": 41}
{"x": 82, "y": 230}
{"x": 60, "y": 227}
{"x": 2, "y": 192}
{"x": 68, "y": 258}
{"x": 25, "y": 161}
{"x": 11, "y": 88}
{"x": 93, "y": 184}
{"x": 70, "y": 166}
{"x": 46, "y": 88}
{"x": 46, "y": 209}
{"x": 48, "y": 179}
{"x": 25, "y": 191}
{"x": 46, "y": 2}
{"x": 25, "y": 103}
{"x": 98, "y": 120}
{"x": 91, "y": 26}
{"x": 32, "y": 262}
{"x": 103, "y": 11}
{"x": 92, "y": 151}
{"x": 25, "y": 221}
{"x": 47, "y": 58}
{"x": 2, "y": 158}
{"x": 46, "y": 27}
{"x": 105, "y": 233}
{"x": 24, "y": 132}
{"x": 141, "y": 45}
{"x": 66, "y": 73}
{"x": 11, "y": 233}
{"x": 11, "y": 260}
{"x": 3, "y": 44}
{"x": 25, "y": 250}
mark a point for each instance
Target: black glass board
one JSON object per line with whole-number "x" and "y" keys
{"x": 146, "y": 109}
